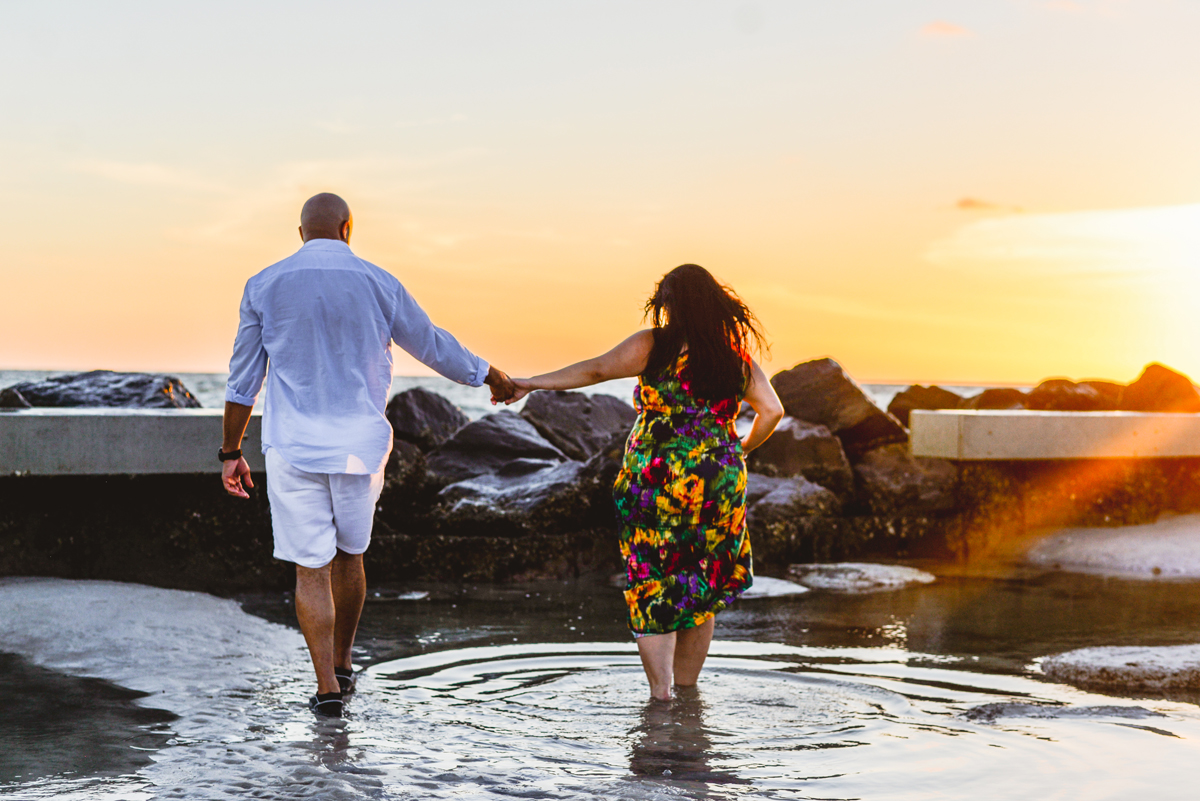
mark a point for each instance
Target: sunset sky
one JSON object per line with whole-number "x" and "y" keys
{"x": 954, "y": 192}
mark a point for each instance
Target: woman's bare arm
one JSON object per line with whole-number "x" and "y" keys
{"x": 624, "y": 361}
{"x": 767, "y": 407}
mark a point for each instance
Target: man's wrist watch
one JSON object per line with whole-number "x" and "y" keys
{"x": 229, "y": 457}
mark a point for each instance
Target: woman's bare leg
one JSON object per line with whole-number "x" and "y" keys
{"x": 658, "y": 655}
{"x": 691, "y": 649}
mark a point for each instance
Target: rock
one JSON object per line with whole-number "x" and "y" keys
{"x": 997, "y": 398}
{"x": 1061, "y": 395}
{"x": 510, "y": 495}
{"x": 10, "y": 398}
{"x": 578, "y": 424}
{"x": 758, "y": 485}
{"x": 821, "y": 392}
{"x": 1128, "y": 668}
{"x": 791, "y": 498}
{"x": 488, "y": 444}
{"x": 918, "y": 397}
{"x": 1109, "y": 391}
{"x": 1160, "y": 389}
{"x": 798, "y": 448}
{"x": 853, "y": 577}
{"x": 424, "y": 418}
{"x": 766, "y": 587}
{"x": 108, "y": 389}
{"x": 893, "y": 482}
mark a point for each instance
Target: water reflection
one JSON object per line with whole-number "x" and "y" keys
{"x": 671, "y": 741}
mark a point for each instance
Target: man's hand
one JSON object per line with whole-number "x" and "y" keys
{"x": 500, "y": 384}
{"x": 521, "y": 388}
{"x": 235, "y": 474}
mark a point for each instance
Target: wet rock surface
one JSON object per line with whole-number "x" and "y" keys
{"x": 489, "y": 443}
{"x": 919, "y": 397}
{"x": 1061, "y": 395}
{"x": 424, "y": 418}
{"x": 578, "y": 424}
{"x": 822, "y": 392}
{"x": 104, "y": 388}
{"x": 792, "y": 498}
{"x": 10, "y": 398}
{"x": 497, "y": 500}
{"x": 799, "y": 448}
{"x": 894, "y": 482}
{"x": 1002, "y": 398}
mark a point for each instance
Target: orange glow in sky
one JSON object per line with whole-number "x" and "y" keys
{"x": 993, "y": 191}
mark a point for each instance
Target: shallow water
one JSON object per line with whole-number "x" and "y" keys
{"x": 535, "y": 691}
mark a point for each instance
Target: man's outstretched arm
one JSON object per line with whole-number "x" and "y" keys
{"x": 235, "y": 473}
{"x": 435, "y": 347}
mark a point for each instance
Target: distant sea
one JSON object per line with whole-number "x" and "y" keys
{"x": 209, "y": 389}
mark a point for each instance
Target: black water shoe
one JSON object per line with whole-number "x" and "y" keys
{"x": 345, "y": 677}
{"x": 326, "y": 705}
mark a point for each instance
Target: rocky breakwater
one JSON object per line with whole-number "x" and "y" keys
{"x": 507, "y": 496}
{"x": 528, "y": 495}
{"x": 836, "y": 480}
{"x": 999, "y": 502}
{"x": 177, "y": 531}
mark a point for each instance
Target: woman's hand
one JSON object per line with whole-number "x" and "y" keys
{"x": 521, "y": 388}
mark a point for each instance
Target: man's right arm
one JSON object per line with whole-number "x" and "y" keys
{"x": 247, "y": 369}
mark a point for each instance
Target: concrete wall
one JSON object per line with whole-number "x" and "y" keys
{"x": 60, "y": 442}
{"x": 1019, "y": 435}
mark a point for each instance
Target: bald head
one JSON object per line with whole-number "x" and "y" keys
{"x": 325, "y": 216}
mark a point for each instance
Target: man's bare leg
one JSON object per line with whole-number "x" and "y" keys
{"x": 691, "y": 649}
{"x": 658, "y": 653}
{"x": 316, "y": 615}
{"x": 349, "y": 586}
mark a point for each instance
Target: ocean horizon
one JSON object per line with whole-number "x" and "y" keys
{"x": 209, "y": 389}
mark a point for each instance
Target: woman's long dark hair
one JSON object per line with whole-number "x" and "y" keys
{"x": 690, "y": 308}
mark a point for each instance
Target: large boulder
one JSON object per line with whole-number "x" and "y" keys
{"x": 509, "y": 494}
{"x": 1004, "y": 398}
{"x": 798, "y": 448}
{"x": 1061, "y": 395}
{"x": 919, "y": 397}
{"x": 1160, "y": 389}
{"x": 822, "y": 392}
{"x": 11, "y": 399}
{"x": 577, "y": 424}
{"x": 488, "y": 444}
{"x": 109, "y": 389}
{"x": 758, "y": 486}
{"x": 424, "y": 418}
{"x": 893, "y": 482}
{"x": 793, "y": 498}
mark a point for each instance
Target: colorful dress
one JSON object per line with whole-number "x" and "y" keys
{"x": 681, "y": 499}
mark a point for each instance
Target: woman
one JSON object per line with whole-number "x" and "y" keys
{"x": 681, "y": 490}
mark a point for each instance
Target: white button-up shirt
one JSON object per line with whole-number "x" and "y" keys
{"x": 324, "y": 319}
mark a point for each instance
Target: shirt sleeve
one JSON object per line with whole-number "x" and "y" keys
{"x": 434, "y": 347}
{"x": 248, "y": 367}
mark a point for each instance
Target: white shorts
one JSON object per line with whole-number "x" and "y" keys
{"x": 315, "y": 515}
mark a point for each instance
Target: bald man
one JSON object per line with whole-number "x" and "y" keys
{"x": 324, "y": 320}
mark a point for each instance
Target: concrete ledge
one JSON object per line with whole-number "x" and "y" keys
{"x": 57, "y": 442}
{"x": 996, "y": 435}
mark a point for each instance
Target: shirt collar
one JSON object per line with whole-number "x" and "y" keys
{"x": 325, "y": 244}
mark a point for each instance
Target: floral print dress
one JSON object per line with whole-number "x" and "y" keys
{"x": 681, "y": 498}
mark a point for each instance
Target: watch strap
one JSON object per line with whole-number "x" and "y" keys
{"x": 229, "y": 457}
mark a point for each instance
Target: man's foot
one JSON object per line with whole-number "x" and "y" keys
{"x": 345, "y": 677}
{"x": 326, "y": 705}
